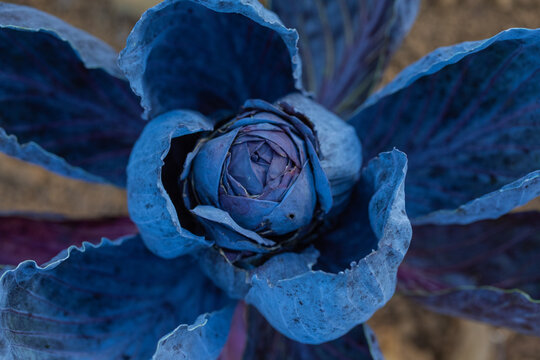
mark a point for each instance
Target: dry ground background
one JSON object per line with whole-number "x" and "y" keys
{"x": 405, "y": 331}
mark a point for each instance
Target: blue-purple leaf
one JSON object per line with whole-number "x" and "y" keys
{"x": 151, "y": 206}
{"x": 346, "y": 44}
{"x": 203, "y": 340}
{"x": 110, "y": 301}
{"x": 59, "y": 92}
{"x": 468, "y": 117}
{"x": 35, "y": 154}
{"x": 317, "y": 306}
{"x": 40, "y": 240}
{"x": 486, "y": 271}
{"x": 242, "y": 51}
{"x": 93, "y": 52}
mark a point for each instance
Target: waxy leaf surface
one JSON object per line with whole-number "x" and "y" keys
{"x": 107, "y": 301}
{"x": 317, "y": 306}
{"x": 209, "y": 56}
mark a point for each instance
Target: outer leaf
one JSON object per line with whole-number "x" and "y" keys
{"x": 468, "y": 118}
{"x": 317, "y": 306}
{"x": 149, "y": 203}
{"x": 93, "y": 52}
{"x": 201, "y": 341}
{"x": 40, "y": 240}
{"x": 3, "y": 347}
{"x": 258, "y": 340}
{"x": 346, "y": 44}
{"x": 110, "y": 301}
{"x": 491, "y": 205}
{"x": 243, "y": 51}
{"x": 3, "y": 269}
{"x": 498, "y": 307}
{"x": 486, "y": 270}
{"x": 33, "y": 153}
{"x": 56, "y": 90}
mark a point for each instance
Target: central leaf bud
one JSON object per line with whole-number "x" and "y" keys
{"x": 266, "y": 182}
{"x": 257, "y": 184}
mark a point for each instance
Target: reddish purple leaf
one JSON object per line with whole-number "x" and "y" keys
{"x": 40, "y": 240}
{"x": 486, "y": 271}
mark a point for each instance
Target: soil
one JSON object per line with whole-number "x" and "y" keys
{"x": 405, "y": 330}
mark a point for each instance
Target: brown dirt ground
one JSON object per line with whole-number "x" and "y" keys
{"x": 405, "y": 330}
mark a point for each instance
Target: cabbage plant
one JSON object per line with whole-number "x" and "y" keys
{"x": 273, "y": 195}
